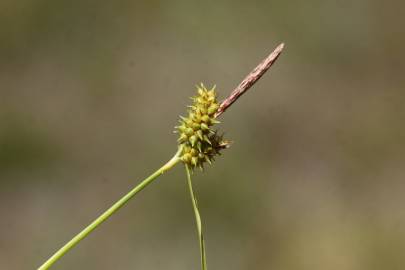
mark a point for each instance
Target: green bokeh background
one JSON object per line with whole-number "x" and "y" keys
{"x": 90, "y": 92}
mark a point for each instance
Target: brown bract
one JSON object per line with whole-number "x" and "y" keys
{"x": 250, "y": 79}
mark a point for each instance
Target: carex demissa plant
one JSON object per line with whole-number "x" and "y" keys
{"x": 198, "y": 144}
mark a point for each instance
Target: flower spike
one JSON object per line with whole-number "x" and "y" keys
{"x": 199, "y": 142}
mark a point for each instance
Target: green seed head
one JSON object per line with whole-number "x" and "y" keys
{"x": 199, "y": 141}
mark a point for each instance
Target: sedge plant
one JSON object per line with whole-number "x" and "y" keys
{"x": 198, "y": 144}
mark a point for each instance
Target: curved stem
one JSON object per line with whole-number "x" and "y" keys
{"x": 115, "y": 207}
{"x": 197, "y": 220}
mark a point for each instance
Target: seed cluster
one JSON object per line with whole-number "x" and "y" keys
{"x": 199, "y": 142}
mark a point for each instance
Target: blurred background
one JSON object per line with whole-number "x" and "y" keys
{"x": 90, "y": 93}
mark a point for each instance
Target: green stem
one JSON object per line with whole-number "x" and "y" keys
{"x": 197, "y": 220}
{"x": 103, "y": 217}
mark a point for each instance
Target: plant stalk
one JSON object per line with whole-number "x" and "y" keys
{"x": 115, "y": 207}
{"x": 197, "y": 220}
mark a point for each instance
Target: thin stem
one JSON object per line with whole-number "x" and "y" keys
{"x": 115, "y": 207}
{"x": 197, "y": 220}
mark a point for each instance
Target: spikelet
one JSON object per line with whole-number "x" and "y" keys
{"x": 200, "y": 143}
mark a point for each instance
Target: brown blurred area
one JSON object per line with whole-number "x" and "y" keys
{"x": 90, "y": 93}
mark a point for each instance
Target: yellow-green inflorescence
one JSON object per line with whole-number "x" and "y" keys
{"x": 199, "y": 142}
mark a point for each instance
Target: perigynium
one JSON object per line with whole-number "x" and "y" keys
{"x": 200, "y": 143}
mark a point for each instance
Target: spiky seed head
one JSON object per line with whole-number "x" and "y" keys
{"x": 200, "y": 143}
